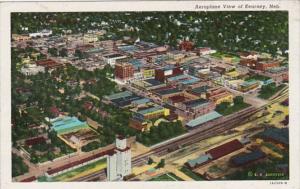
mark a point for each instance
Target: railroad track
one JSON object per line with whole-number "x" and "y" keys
{"x": 195, "y": 136}
{"x": 217, "y": 127}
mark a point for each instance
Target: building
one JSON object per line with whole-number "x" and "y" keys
{"x": 67, "y": 124}
{"x": 278, "y": 74}
{"x": 244, "y": 159}
{"x": 264, "y": 65}
{"x": 250, "y": 63}
{"x": 17, "y": 37}
{"x": 90, "y": 38}
{"x": 112, "y": 58}
{"x": 29, "y": 179}
{"x": 32, "y": 69}
{"x": 124, "y": 71}
{"x": 200, "y": 91}
{"x": 119, "y": 161}
{"x": 204, "y": 51}
{"x": 43, "y": 33}
{"x": 148, "y": 84}
{"x": 225, "y": 149}
{"x": 49, "y": 63}
{"x": 195, "y": 108}
{"x": 219, "y": 95}
{"x": 248, "y": 85}
{"x": 275, "y": 135}
{"x": 198, "y": 65}
{"x": 75, "y": 164}
{"x": 152, "y": 112}
{"x": 148, "y": 73}
{"x": 164, "y": 93}
{"x": 162, "y": 74}
{"x": 186, "y": 46}
{"x": 203, "y": 119}
{"x": 201, "y": 160}
{"x": 140, "y": 124}
{"x": 182, "y": 80}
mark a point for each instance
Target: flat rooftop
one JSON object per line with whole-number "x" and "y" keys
{"x": 61, "y": 124}
{"x": 204, "y": 118}
{"x": 119, "y": 95}
{"x": 196, "y": 103}
{"x": 184, "y": 79}
{"x": 114, "y": 56}
{"x": 153, "y": 82}
{"x": 168, "y": 91}
{"x": 149, "y": 110}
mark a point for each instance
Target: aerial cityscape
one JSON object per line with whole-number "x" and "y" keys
{"x": 149, "y": 96}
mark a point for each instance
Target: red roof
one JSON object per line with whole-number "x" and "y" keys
{"x": 225, "y": 149}
{"x": 54, "y": 110}
{"x": 186, "y": 45}
{"x": 172, "y": 117}
{"x": 177, "y": 98}
{"x": 49, "y": 63}
{"x": 34, "y": 141}
{"x": 88, "y": 105}
{"x": 29, "y": 179}
{"x": 69, "y": 165}
{"x": 22, "y": 90}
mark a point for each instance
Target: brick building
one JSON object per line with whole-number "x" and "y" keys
{"x": 264, "y": 65}
{"x": 124, "y": 71}
{"x": 163, "y": 73}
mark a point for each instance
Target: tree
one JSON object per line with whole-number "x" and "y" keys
{"x": 150, "y": 161}
{"x": 53, "y": 51}
{"x": 238, "y": 100}
{"x": 222, "y": 106}
{"x": 18, "y": 166}
{"x": 161, "y": 164}
{"x": 63, "y": 52}
{"x": 80, "y": 54}
{"x": 50, "y": 155}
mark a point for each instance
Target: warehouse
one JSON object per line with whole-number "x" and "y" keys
{"x": 225, "y": 149}
{"x": 201, "y": 160}
{"x": 203, "y": 119}
{"x": 244, "y": 159}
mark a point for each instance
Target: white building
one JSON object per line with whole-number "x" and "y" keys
{"x": 119, "y": 161}
{"x": 32, "y": 69}
{"x": 206, "y": 50}
{"x": 43, "y": 33}
{"x": 112, "y": 58}
{"x": 90, "y": 38}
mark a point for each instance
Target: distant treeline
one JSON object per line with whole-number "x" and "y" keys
{"x": 226, "y": 31}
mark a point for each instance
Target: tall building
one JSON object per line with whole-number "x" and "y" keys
{"x": 124, "y": 71}
{"x": 119, "y": 161}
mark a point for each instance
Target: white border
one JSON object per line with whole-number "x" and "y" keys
{"x": 294, "y": 43}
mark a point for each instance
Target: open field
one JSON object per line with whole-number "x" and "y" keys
{"x": 166, "y": 177}
{"x": 191, "y": 174}
{"x": 81, "y": 171}
{"x": 234, "y": 108}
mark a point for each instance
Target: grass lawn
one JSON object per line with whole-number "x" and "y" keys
{"x": 162, "y": 140}
{"x": 234, "y": 108}
{"x": 81, "y": 171}
{"x": 166, "y": 177}
{"x": 191, "y": 174}
{"x": 270, "y": 91}
{"x": 214, "y": 168}
{"x": 35, "y": 113}
{"x": 222, "y": 55}
{"x": 258, "y": 77}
